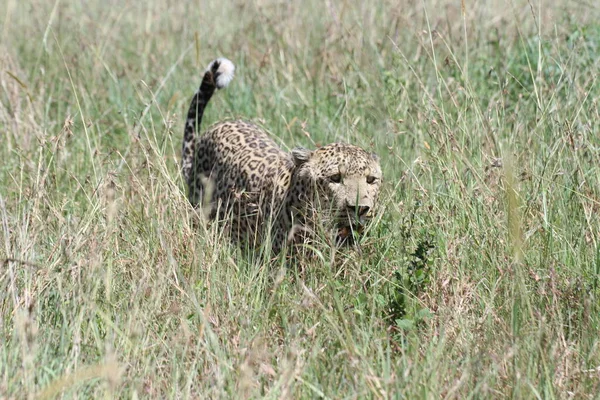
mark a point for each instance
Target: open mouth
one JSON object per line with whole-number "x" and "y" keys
{"x": 346, "y": 233}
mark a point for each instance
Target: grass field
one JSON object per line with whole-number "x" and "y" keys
{"x": 479, "y": 280}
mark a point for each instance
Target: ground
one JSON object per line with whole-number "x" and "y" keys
{"x": 479, "y": 279}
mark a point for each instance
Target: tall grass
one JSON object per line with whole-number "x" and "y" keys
{"x": 479, "y": 280}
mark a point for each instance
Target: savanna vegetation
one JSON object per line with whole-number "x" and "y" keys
{"x": 478, "y": 279}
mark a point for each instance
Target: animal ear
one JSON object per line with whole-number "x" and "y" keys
{"x": 375, "y": 157}
{"x": 300, "y": 155}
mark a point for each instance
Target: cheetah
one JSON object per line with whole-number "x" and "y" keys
{"x": 237, "y": 172}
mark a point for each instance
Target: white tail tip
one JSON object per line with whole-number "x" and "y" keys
{"x": 224, "y": 72}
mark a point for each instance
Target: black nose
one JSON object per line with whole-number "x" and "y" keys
{"x": 360, "y": 210}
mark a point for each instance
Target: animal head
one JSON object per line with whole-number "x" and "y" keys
{"x": 347, "y": 181}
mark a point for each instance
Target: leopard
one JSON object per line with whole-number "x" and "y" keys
{"x": 239, "y": 175}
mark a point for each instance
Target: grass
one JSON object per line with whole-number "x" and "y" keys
{"x": 480, "y": 279}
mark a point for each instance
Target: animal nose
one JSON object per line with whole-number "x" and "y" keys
{"x": 360, "y": 210}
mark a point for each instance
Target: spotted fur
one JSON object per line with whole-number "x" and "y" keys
{"x": 244, "y": 179}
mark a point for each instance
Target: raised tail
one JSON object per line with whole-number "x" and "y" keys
{"x": 218, "y": 75}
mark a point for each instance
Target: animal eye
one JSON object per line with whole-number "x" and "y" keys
{"x": 337, "y": 178}
{"x": 371, "y": 179}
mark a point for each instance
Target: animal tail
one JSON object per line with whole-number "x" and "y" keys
{"x": 218, "y": 75}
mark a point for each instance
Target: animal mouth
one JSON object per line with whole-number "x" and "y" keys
{"x": 347, "y": 232}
